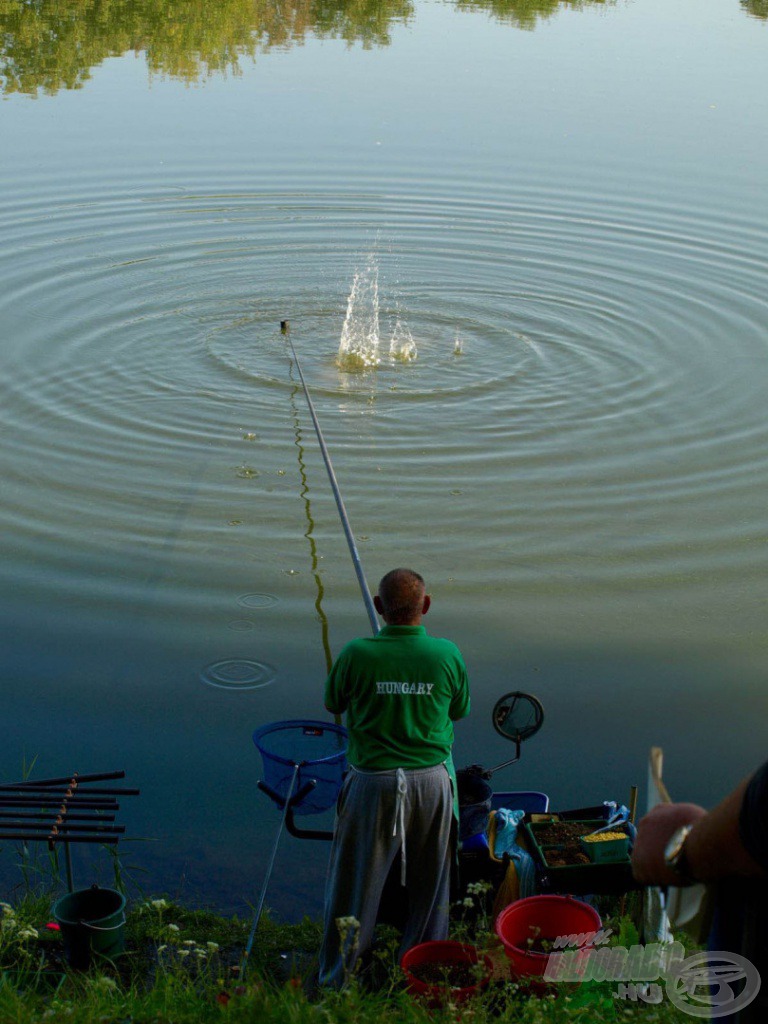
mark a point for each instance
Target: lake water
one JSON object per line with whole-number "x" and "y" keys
{"x": 562, "y": 206}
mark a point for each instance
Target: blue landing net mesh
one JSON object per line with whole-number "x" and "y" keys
{"x": 320, "y": 750}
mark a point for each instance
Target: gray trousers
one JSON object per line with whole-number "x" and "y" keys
{"x": 378, "y": 814}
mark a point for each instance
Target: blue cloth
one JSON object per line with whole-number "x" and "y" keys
{"x": 506, "y": 831}
{"x": 506, "y": 843}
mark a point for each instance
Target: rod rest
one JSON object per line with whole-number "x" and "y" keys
{"x": 290, "y": 821}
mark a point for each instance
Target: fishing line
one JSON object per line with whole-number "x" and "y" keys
{"x": 365, "y": 591}
{"x": 309, "y": 532}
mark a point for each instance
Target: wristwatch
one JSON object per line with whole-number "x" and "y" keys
{"x": 674, "y": 855}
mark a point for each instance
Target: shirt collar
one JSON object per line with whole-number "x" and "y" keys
{"x": 402, "y": 631}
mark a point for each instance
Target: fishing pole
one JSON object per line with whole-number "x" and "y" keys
{"x": 364, "y": 589}
{"x": 369, "y": 607}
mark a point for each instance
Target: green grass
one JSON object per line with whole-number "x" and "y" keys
{"x": 181, "y": 966}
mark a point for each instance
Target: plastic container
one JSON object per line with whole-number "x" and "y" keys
{"x": 529, "y": 800}
{"x": 606, "y": 851}
{"x": 442, "y": 956}
{"x": 475, "y": 844}
{"x": 92, "y": 923}
{"x": 543, "y": 918}
{"x": 601, "y": 811}
{"x": 595, "y": 877}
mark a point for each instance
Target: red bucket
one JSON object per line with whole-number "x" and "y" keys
{"x": 543, "y": 919}
{"x": 441, "y": 957}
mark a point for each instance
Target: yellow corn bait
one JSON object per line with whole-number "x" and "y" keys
{"x": 603, "y": 836}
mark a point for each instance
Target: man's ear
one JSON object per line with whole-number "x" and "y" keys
{"x": 378, "y": 605}
{"x": 426, "y": 606}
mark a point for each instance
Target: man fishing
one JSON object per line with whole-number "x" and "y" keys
{"x": 402, "y": 690}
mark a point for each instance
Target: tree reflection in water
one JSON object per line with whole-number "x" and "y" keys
{"x": 526, "y": 13}
{"x": 757, "y": 8}
{"x": 53, "y": 44}
{"x": 47, "y": 45}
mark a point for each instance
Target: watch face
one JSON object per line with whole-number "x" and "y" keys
{"x": 675, "y": 847}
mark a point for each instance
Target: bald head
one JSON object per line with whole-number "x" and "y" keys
{"x": 402, "y": 598}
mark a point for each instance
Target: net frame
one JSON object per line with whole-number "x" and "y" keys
{"x": 325, "y": 772}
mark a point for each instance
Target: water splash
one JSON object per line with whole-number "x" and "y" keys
{"x": 359, "y": 345}
{"x": 402, "y": 347}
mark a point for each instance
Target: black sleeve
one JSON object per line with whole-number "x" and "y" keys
{"x": 753, "y": 819}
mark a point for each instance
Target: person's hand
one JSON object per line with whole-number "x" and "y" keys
{"x": 653, "y": 833}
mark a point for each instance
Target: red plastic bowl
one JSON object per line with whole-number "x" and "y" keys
{"x": 443, "y": 955}
{"x": 553, "y": 916}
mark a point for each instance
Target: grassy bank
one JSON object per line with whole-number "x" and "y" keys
{"x": 182, "y": 966}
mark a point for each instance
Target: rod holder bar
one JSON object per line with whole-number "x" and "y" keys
{"x": 62, "y": 824}
{"x": 290, "y": 820}
{"x": 63, "y": 791}
{"x": 305, "y": 790}
{"x": 78, "y": 779}
{"x": 51, "y": 816}
{"x": 56, "y": 800}
{"x": 29, "y": 837}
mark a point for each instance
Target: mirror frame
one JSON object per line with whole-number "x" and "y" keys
{"x": 528, "y": 731}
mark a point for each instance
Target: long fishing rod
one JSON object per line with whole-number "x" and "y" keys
{"x": 367, "y": 599}
{"x": 369, "y": 607}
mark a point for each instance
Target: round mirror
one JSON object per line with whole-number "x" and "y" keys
{"x": 517, "y": 716}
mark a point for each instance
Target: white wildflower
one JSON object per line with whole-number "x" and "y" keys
{"x": 189, "y": 942}
{"x": 347, "y": 922}
{"x": 172, "y": 927}
{"x": 28, "y": 933}
{"x": 159, "y": 904}
{"x": 213, "y": 946}
{"x": 104, "y": 983}
{"x": 183, "y": 952}
{"x": 161, "y": 948}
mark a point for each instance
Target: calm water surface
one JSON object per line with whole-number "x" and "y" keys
{"x": 563, "y": 206}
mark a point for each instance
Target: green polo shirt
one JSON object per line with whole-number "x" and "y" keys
{"x": 402, "y": 691}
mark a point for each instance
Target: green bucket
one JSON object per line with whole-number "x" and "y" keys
{"x": 92, "y": 923}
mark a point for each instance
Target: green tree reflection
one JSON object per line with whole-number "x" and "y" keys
{"x": 47, "y": 45}
{"x": 757, "y": 8}
{"x": 526, "y": 13}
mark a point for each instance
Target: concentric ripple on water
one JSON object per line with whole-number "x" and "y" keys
{"x": 581, "y": 364}
{"x": 238, "y": 674}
